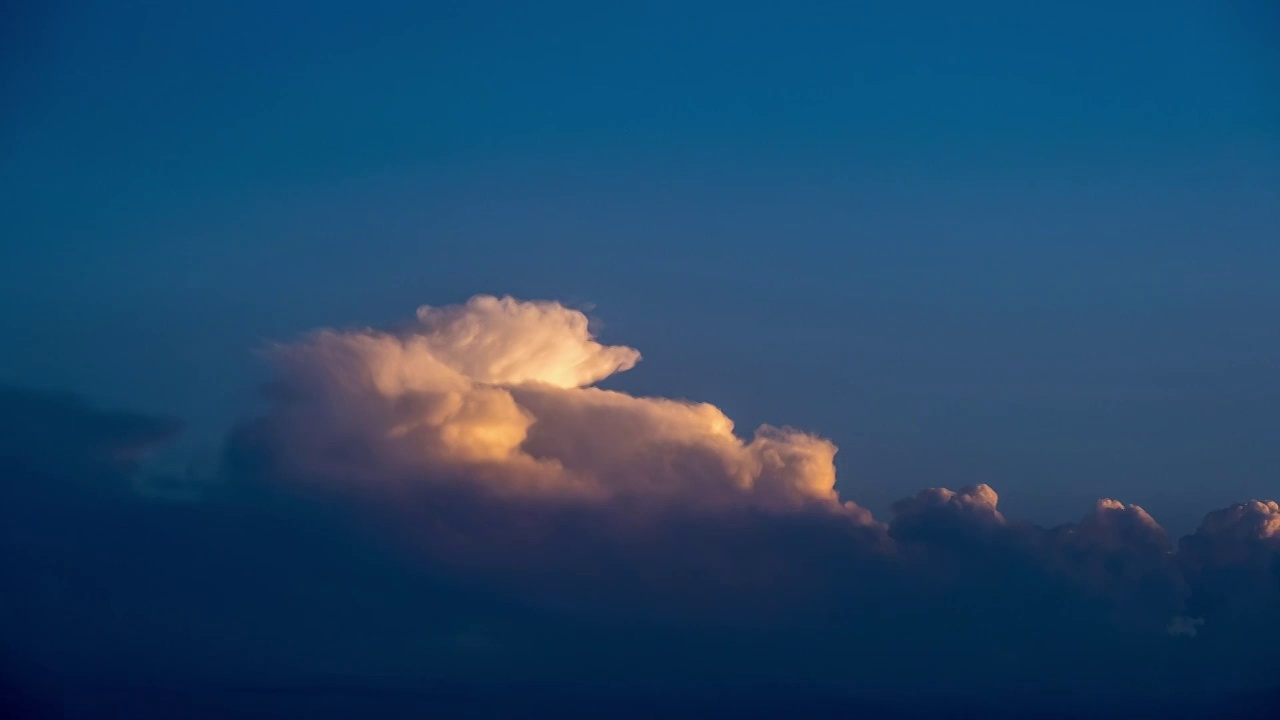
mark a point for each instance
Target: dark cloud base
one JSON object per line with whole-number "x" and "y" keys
{"x": 129, "y": 595}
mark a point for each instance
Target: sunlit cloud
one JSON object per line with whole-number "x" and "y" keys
{"x": 472, "y": 447}
{"x": 496, "y": 397}
{"x": 497, "y": 392}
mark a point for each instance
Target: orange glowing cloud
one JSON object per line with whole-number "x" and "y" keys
{"x": 497, "y": 392}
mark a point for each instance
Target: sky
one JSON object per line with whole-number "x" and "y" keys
{"x": 1030, "y": 246}
{"x": 1007, "y": 243}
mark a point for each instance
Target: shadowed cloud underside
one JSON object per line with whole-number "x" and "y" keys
{"x": 453, "y": 495}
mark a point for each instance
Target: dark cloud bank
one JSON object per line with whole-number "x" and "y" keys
{"x": 447, "y": 518}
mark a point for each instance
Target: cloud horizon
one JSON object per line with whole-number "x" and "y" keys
{"x": 465, "y": 462}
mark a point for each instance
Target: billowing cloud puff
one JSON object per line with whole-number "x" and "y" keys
{"x": 1233, "y": 560}
{"x": 970, "y": 511}
{"x": 494, "y": 397}
{"x": 1243, "y": 535}
{"x": 509, "y": 342}
{"x": 1113, "y": 523}
{"x": 1255, "y": 521}
{"x": 1118, "y": 552}
{"x": 664, "y": 448}
{"x": 493, "y": 393}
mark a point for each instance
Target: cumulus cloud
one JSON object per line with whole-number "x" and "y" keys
{"x": 1243, "y": 524}
{"x": 494, "y": 398}
{"x": 509, "y": 342}
{"x": 1114, "y": 524}
{"x": 1119, "y": 553}
{"x": 484, "y": 485}
{"x": 1232, "y": 562}
{"x": 496, "y": 392}
{"x": 970, "y": 511}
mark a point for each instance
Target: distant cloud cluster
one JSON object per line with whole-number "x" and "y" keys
{"x": 459, "y": 478}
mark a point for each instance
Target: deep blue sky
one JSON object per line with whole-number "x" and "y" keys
{"x": 1032, "y": 244}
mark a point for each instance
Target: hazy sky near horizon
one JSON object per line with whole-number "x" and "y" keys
{"x": 1027, "y": 244}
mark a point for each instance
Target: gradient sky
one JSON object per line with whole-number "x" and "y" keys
{"x": 1027, "y": 244}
